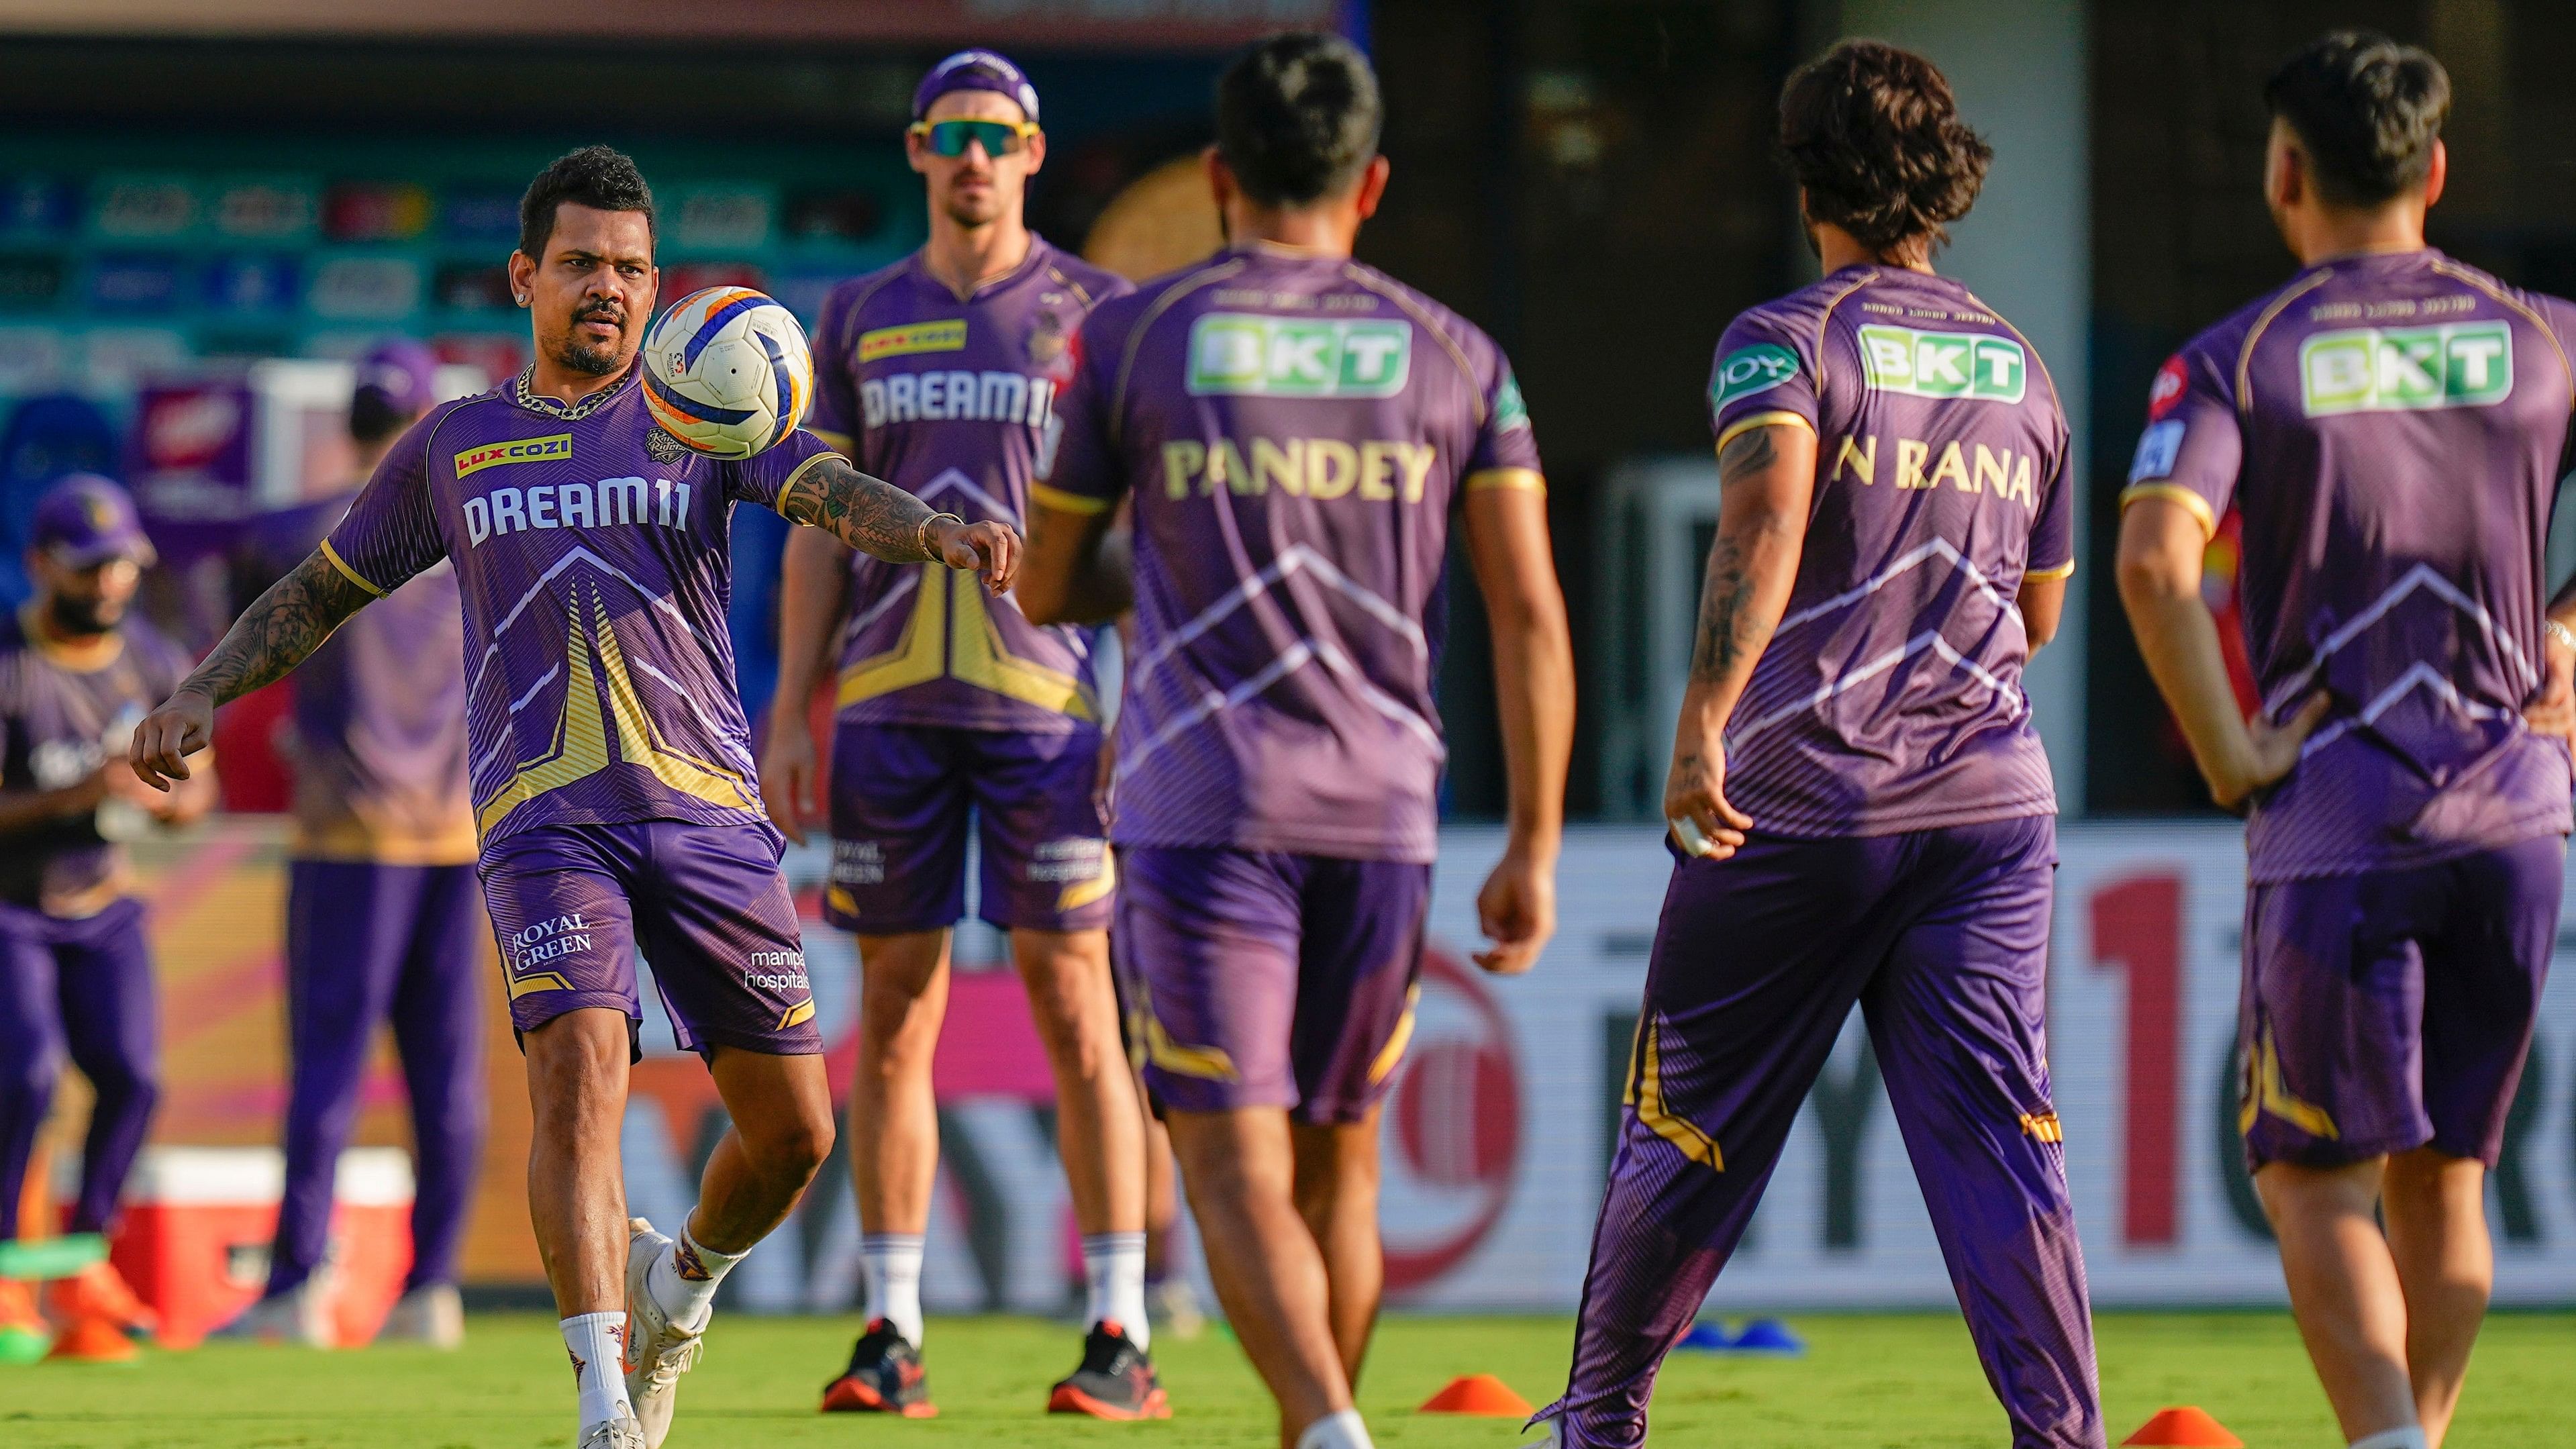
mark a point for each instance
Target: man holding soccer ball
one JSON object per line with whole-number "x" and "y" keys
{"x": 613, "y": 785}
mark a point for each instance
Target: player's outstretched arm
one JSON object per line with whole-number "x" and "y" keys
{"x": 271, "y": 637}
{"x": 1507, "y": 543}
{"x": 2161, "y": 546}
{"x": 1081, "y": 566}
{"x": 1766, "y": 484}
{"x": 883, "y": 521}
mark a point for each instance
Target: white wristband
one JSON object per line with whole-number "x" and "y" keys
{"x": 2559, "y": 633}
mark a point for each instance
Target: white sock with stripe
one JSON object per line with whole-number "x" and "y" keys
{"x": 597, "y": 1343}
{"x": 1113, "y": 1274}
{"x": 893, "y": 1264}
{"x": 683, "y": 1281}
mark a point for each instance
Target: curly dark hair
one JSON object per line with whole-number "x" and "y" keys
{"x": 600, "y": 177}
{"x": 1874, "y": 136}
{"x": 2366, "y": 110}
{"x": 1297, "y": 118}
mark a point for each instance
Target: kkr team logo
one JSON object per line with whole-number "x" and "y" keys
{"x": 1237, "y": 354}
{"x": 517, "y": 450}
{"x": 2405, "y": 369}
{"x": 1974, "y": 365}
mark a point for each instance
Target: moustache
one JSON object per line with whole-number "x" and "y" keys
{"x": 604, "y": 312}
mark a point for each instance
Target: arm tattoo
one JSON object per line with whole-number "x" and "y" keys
{"x": 1724, "y": 596}
{"x": 1727, "y": 592}
{"x": 869, "y": 514}
{"x": 277, "y": 631}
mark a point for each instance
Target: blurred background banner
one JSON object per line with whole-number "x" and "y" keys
{"x": 1498, "y": 1129}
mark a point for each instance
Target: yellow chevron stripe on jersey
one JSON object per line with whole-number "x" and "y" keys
{"x": 981, "y": 659}
{"x": 1646, "y": 1095}
{"x": 542, "y": 981}
{"x": 1208, "y": 1064}
{"x": 580, "y": 745}
{"x": 797, "y": 1015}
{"x": 2265, "y": 1091}
{"x": 916, "y": 658}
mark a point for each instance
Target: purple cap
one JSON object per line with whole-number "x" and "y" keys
{"x": 85, "y": 520}
{"x": 401, "y": 372}
{"x": 976, "y": 70}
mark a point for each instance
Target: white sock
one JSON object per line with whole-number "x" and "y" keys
{"x": 1336, "y": 1431}
{"x": 893, "y": 1263}
{"x": 684, "y": 1279}
{"x": 597, "y": 1343}
{"x": 2409, "y": 1437}
{"x": 1113, "y": 1272}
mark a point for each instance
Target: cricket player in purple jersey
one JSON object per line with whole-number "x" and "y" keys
{"x": 77, "y": 668}
{"x": 2392, "y": 425}
{"x": 1296, "y": 431}
{"x": 610, "y": 765}
{"x": 383, "y": 914}
{"x": 1865, "y": 811}
{"x": 938, "y": 373}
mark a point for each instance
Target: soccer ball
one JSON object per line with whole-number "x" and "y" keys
{"x": 727, "y": 372}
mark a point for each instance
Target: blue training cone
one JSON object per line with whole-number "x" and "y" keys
{"x": 1708, "y": 1336}
{"x": 1768, "y": 1336}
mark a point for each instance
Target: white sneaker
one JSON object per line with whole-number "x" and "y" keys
{"x": 432, "y": 1314}
{"x": 614, "y": 1434}
{"x": 658, "y": 1351}
{"x": 299, "y": 1316}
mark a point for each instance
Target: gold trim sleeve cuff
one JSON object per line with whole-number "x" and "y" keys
{"x": 2192, "y": 503}
{"x": 349, "y": 573}
{"x": 1528, "y": 480}
{"x": 2065, "y": 570}
{"x": 787, "y": 489}
{"x": 1779, "y": 418}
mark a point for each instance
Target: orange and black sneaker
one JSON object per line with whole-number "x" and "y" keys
{"x": 884, "y": 1377}
{"x": 100, "y": 1293}
{"x": 1116, "y": 1380}
{"x": 23, "y": 1335}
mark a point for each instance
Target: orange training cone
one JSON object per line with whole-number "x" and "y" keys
{"x": 94, "y": 1340}
{"x": 2187, "y": 1427}
{"x": 1482, "y": 1395}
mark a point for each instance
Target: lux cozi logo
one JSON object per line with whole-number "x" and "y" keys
{"x": 1973, "y": 365}
{"x": 2404, "y": 369}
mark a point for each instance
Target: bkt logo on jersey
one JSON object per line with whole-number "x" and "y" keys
{"x": 1242, "y": 355}
{"x": 2400, "y": 369}
{"x": 1973, "y": 365}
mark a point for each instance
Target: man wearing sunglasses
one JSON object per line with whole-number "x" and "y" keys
{"x": 939, "y": 374}
{"x": 76, "y": 671}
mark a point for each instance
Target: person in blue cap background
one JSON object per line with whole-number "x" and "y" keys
{"x": 384, "y": 920}
{"x": 77, "y": 671}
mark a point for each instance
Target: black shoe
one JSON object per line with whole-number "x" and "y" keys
{"x": 1116, "y": 1380}
{"x": 884, "y": 1377}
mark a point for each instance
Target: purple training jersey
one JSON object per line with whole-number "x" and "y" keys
{"x": 1889, "y": 698}
{"x": 2393, "y": 427}
{"x": 948, "y": 396}
{"x": 591, "y": 551}
{"x": 63, "y": 713}
{"x": 1296, "y": 429}
{"x": 379, "y": 741}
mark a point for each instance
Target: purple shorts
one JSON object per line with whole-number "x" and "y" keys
{"x": 706, "y": 904}
{"x": 1264, "y": 979}
{"x": 2393, "y": 1010}
{"x": 899, "y": 810}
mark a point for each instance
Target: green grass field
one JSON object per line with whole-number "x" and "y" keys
{"x": 1869, "y": 1380}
